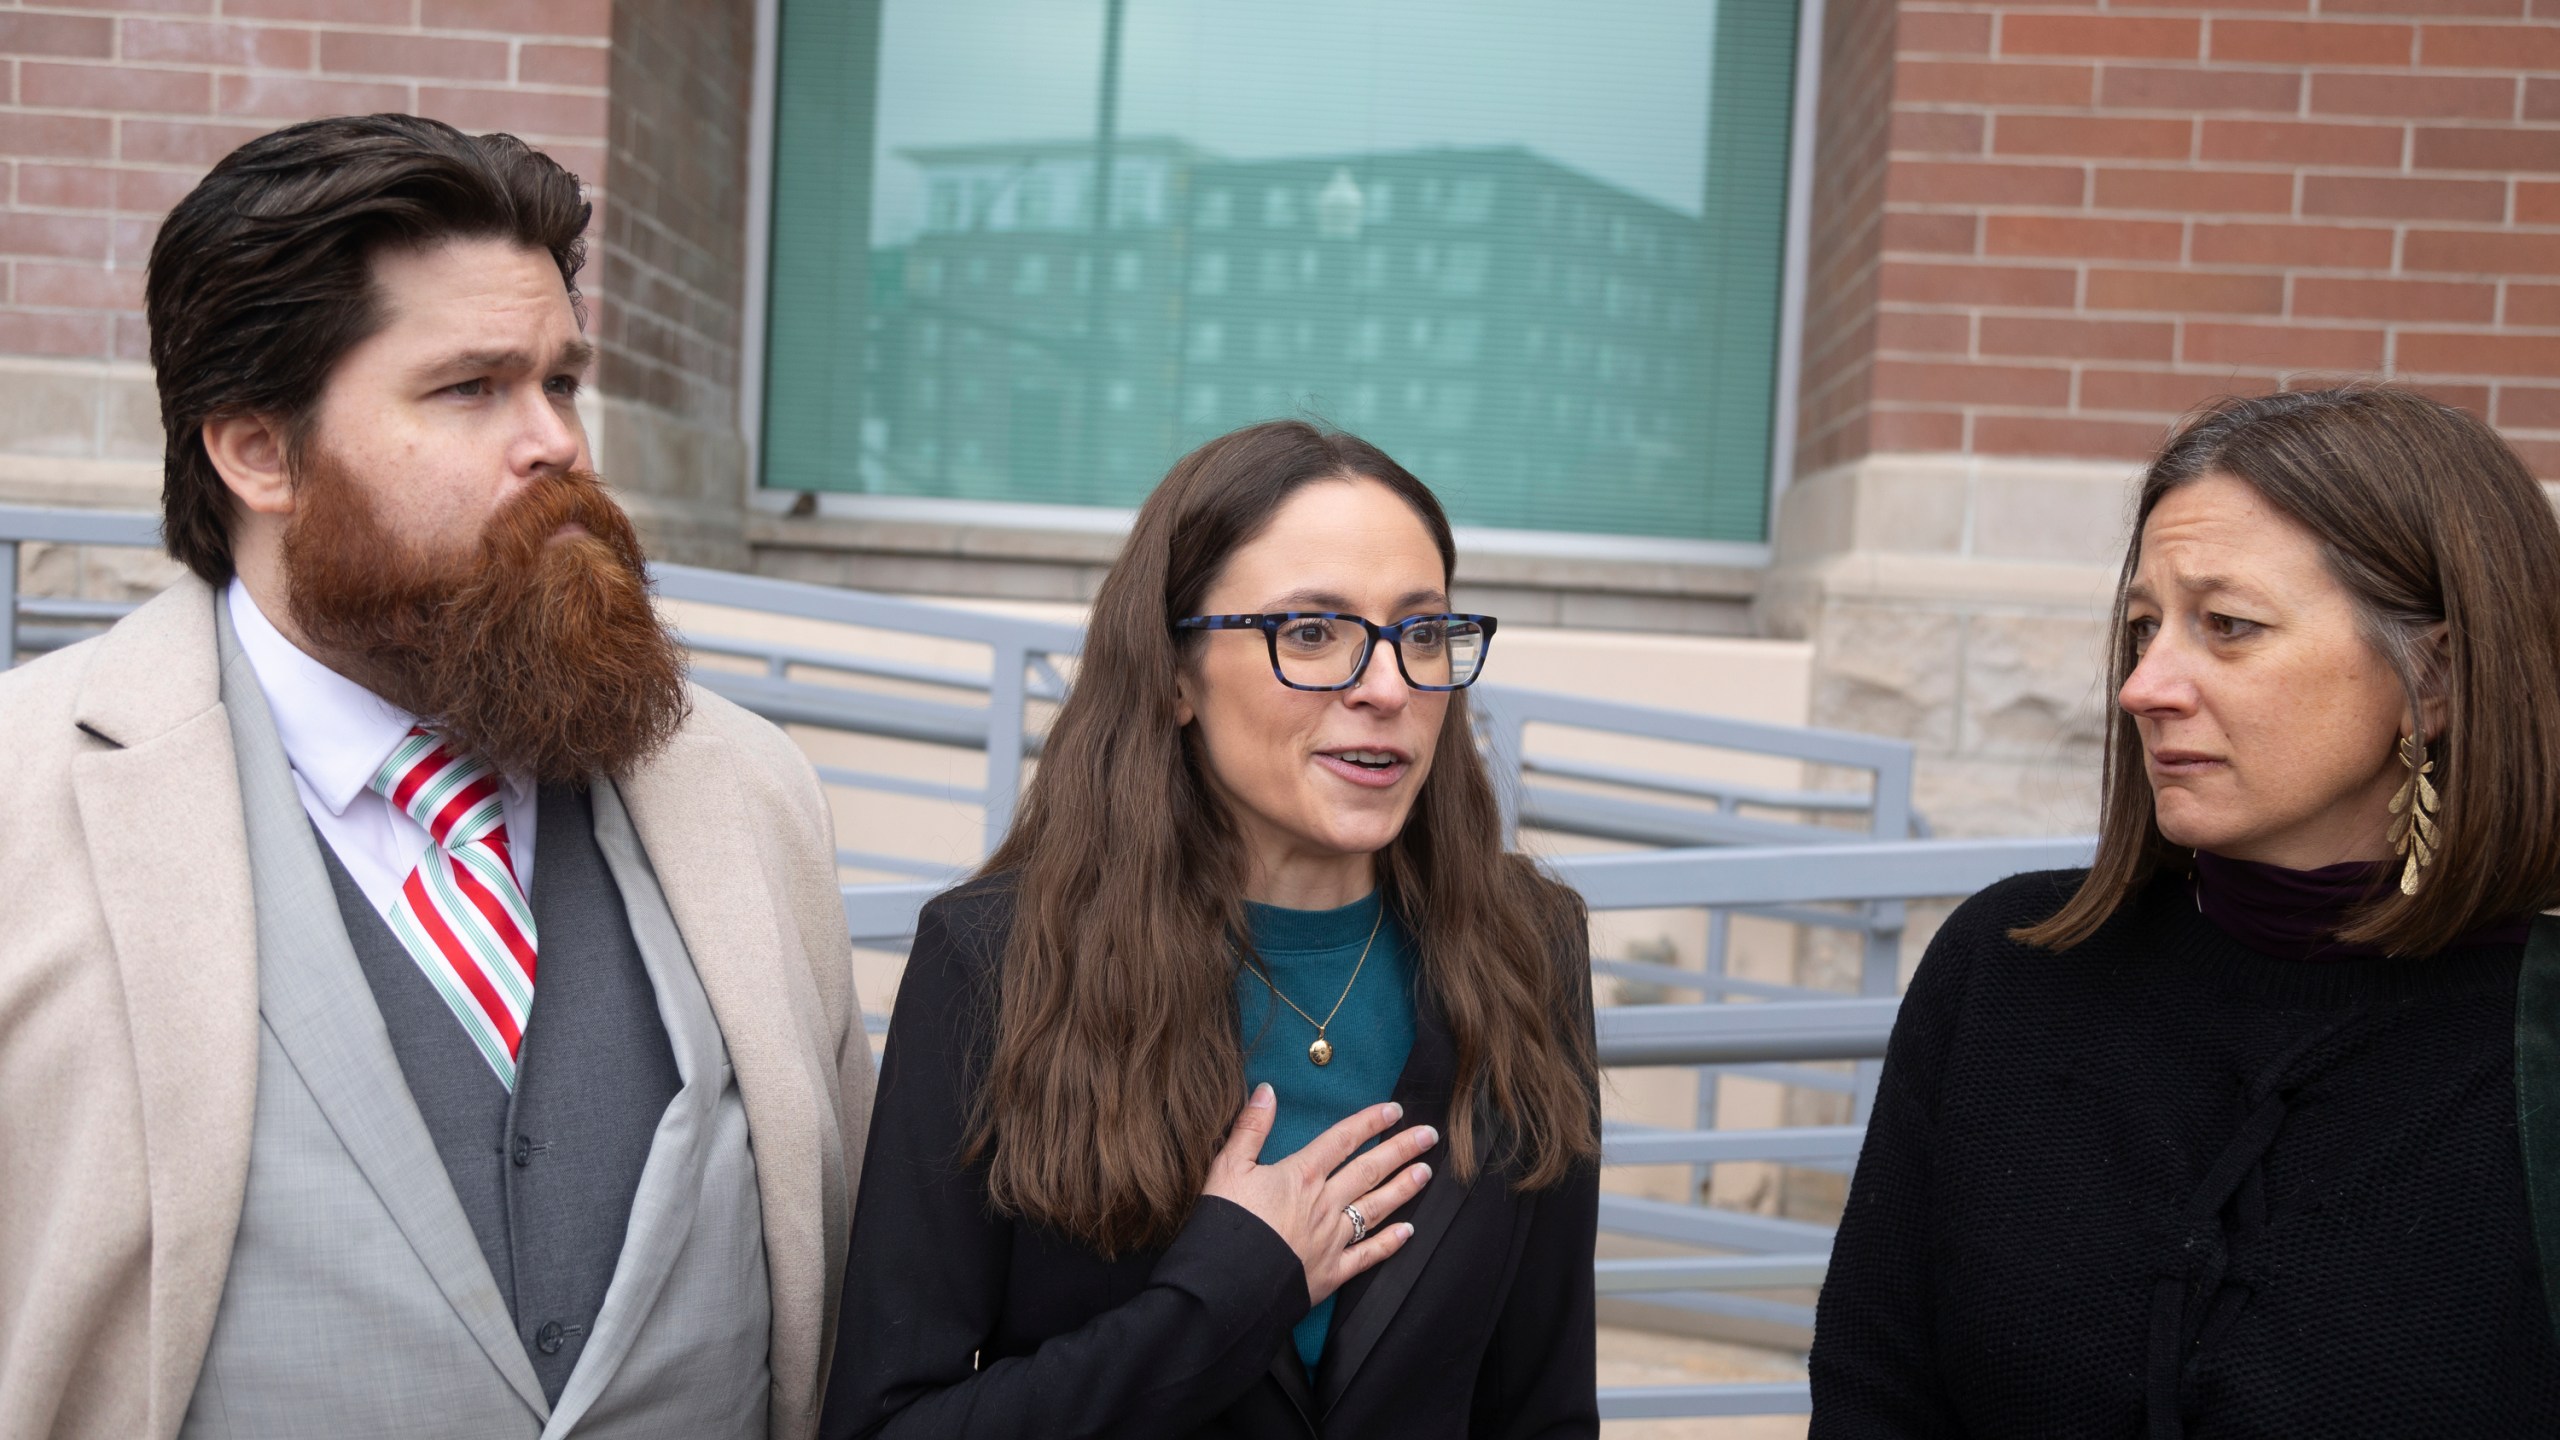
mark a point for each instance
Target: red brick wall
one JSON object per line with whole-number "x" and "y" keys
{"x": 673, "y": 258}
{"x": 109, "y": 113}
{"x": 1852, "y": 130}
{"x": 2096, "y": 214}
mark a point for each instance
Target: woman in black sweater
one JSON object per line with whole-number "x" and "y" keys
{"x": 1261, "y": 855}
{"x": 2219, "y": 1138}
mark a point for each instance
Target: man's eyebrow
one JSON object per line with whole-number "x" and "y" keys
{"x": 575, "y": 355}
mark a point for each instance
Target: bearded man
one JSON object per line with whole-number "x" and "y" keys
{"x": 422, "y": 1013}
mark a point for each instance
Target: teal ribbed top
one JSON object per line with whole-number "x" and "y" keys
{"x": 1309, "y": 955}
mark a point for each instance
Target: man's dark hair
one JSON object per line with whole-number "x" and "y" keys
{"x": 261, "y": 279}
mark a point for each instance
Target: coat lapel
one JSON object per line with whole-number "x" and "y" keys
{"x": 313, "y": 996}
{"x": 1370, "y": 1301}
{"x": 687, "y": 806}
{"x": 160, "y": 817}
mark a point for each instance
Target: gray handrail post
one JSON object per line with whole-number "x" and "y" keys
{"x": 8, "y": 603}
{"x": 1505, "y": 740}
{"x": 1880, "y": 960}
{"x": 1006, "y": 700}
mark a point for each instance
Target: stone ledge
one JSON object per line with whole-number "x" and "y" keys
{"x": 1956, "y": 582}
{"x": 80, "y": 483}
{"x": 1633, "y": 566}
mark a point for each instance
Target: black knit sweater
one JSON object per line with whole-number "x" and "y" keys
{"x": 2161, "y": 1185}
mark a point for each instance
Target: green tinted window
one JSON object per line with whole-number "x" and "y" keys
{"x": 1033, "y": 250}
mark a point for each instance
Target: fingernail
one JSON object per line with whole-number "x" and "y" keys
{"x": 1404, "y": 1232}
{"x": 1395, "y": 1112}
{"x": 1421, "y": 1172}
{"x": 1430, "y": 1137}
{"x": 1262, "y": 1093}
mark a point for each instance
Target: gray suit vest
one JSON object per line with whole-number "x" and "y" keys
{"x": 361, "y": 1296}
{"x": 545, "y": 1174}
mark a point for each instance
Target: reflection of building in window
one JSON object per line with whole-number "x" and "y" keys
{"x": 1522, "y": 327}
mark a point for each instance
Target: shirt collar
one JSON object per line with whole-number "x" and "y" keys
{"x": 335, "y": 732}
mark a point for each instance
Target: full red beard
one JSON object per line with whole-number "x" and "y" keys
{"x": 539, "y": 653}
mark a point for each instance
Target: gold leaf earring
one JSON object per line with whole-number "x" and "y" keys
{"x": 2413, "y": 813}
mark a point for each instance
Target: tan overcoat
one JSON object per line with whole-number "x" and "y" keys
{"x": 129, "y": 1016}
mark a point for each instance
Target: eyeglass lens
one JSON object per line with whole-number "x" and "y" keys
{"x": 1438, "y": 650}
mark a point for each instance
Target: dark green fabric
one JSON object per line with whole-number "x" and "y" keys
{"x": 2538, "y": 1096}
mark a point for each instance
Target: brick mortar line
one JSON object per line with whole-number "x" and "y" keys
{"x": 226, "y": 69}
{"x": 117, "y": 18}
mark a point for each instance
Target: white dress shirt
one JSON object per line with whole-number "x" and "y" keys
{"x": 336, "y": 734}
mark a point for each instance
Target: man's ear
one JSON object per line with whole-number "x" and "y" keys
{"x": 248, "y": 452}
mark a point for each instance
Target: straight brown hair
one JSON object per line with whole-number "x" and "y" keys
{"x": 261, "y": 279}
{"x": 2428, "y": 519}
{"x": 1116, "y": 1068}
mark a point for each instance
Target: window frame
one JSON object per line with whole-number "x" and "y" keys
{"x": 1027, "y": 520}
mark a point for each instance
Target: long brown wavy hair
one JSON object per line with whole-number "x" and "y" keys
{"x": 2428, "y": 519}
{"x": 1117, "y": 1069}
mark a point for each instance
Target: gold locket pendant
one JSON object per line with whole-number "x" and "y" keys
{"x": 1321, "y": 1052}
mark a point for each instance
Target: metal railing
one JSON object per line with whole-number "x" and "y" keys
{"x": 1843, "y": 859}
{"x": 1760, "y": 1252}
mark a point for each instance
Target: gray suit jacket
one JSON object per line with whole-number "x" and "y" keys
{"x": 130, "y": 1034}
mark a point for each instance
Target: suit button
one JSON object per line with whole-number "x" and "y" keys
{"x": 548, "y": 1339}
{"x": 524, "y": 1150}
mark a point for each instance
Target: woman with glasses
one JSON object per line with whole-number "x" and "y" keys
{"x": 1249, "y": 1090}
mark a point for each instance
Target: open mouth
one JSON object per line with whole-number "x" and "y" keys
{"x": 1374, "y": 767}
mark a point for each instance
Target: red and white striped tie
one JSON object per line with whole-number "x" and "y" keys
{"x": 460, "y": 914}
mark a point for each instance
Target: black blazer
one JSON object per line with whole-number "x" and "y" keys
{"x": 961, "y": 1322}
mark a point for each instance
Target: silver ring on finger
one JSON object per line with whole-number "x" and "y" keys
{"x": 1359, "y": 1225}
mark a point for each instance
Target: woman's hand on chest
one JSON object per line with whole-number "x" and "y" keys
{"x": 1309, "y": 1198}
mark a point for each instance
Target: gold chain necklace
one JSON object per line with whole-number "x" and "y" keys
{"x": 1321, "y": 1052}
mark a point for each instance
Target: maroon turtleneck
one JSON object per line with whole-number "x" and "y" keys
{"x": 2295, "y": 914}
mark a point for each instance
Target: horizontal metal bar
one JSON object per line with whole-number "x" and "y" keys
{"x": 63, "y": 526}
{"x": 1772, "y": 797}
{"x": 885, "y": 912}
{"x": 898, "y": 865}
{"x": 1760, "y": 1310}
{"x": 1808, "y": 915}
{"x": 900, "y": 785}
{"x": 1716, "y": 1034}
{"x": 1876, "y": 870}
{"x": 1709, "y": 1228}
{"x": 1711, "y": 1272}
{"x": 1703, "y": 1147}
{"x": 1671, "y": 1402}
{"x": 836, "y": 707}
{"x": 1781, "y": 874}
{"x": 835, "y": 660}
{"x": 1614, "y": 817}
{"x": 1673, "y": 977}
{"x": 1802, "y": 742}
{"x": 44, "y": 639}
{"x": 78, "y": 611}
{"x": 854, "y": 607}
{"x": 1801, "y": 1076}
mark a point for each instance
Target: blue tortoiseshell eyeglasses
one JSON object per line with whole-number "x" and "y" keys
{"x": 1326, "y": 650}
